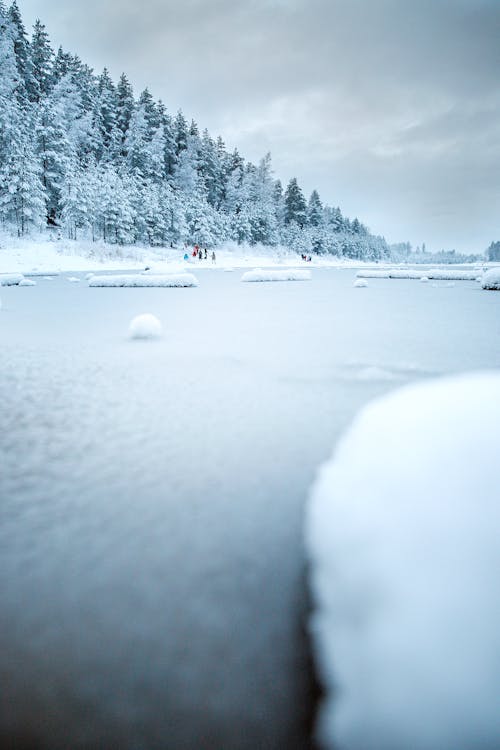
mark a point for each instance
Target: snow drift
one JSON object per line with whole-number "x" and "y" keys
{"x": 491, "y": 279}
{"x": 145, "y": 280}
{"x": 439, "y": 274}
{"x": 10, "y": 279}
{"x": 272, "y": 275}
{"x": 402, "y": 537}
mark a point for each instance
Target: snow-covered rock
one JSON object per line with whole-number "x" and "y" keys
{"x": 145, "y": 280}
{"x": 360, "y": 283}
{"x": 290, "y": 274}
{"x": 402, "y": 537}
{"x": 145, "y": 326}
{"x": 491, "y": 279}
{"x": 10, "y": 279}
{"x": 27, "y": 282}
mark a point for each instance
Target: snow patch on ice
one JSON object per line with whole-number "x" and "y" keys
{"x": 145, "y": 280}
{"x": 271, "y": 275}
{"x": 401, "y": 533}
{"x": 145, "y": 326}
{"x": 73, "y": 279}
{"x": 10, "y": 279}
{"x": 491, "y": 279}
{"x": 360, "y": 283}
{"x": 27, "y": 282}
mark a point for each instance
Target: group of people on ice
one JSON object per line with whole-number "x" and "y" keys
{"x": 199, "y": 253}
{"x": 307, "y": 258}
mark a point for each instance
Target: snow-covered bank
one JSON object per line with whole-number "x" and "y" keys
{"x": 402, "y": 538}
{"x": 145, "y": 280}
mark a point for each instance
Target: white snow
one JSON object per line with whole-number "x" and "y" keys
{"x": 441, "y": 274}
{"x": 402, "y": 536}
{"x": 73, "y": 279}
{"x": 27, "y": 282}
{"x": 491, "y": 279}
{"x": 424, "y": 279}
{"x": 145, "y": 280}
{"x": 360, "y": 283}
{"x": 10, "y": 279}
{"x": 145, "y": 326}
{"x": 371, "y": 274}
{"x": 270, "y": 275}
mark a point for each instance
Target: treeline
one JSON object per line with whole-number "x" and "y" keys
{"x": 83, "y": 154}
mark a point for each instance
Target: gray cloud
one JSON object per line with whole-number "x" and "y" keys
{"x": 390, "y": 107}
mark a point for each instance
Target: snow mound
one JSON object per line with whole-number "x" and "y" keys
{"x": 424, "y": 279}
{"x": 145, "y": 280}
{"x": 360, "y": 283}
{"x": 438, "y": 274}
{"x": 491, "y": 279}
{"x": 27, "y": 282}
{"x": 271, "y": 275}
{"x": 451, "y": 275}
{"x": 402, "y": 536}
{"x": 145, "y": 326}
{"x": 89, "y": 276}
{"x": 73, "y": 279}
{"x": 35, "y": 272}
{"x": 10, "y": 279}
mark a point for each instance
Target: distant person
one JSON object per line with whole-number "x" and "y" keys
{"x": 213, "y": 256}
{"x": 194, "y": 252}
{"x": 186, "y": 256}
{"x": 200, "y": 255}
{"x": 206, "y": 254}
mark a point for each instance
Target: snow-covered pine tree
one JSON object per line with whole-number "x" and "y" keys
{"x": 295, "y": 205}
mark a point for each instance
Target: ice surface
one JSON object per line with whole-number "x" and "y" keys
{"x": 491, "y": 279}
{"x": 270, "y": 275}
{"x": 152, "y": 496}
{"x": 10, "y": 279}
{"x": 145, "y": 280}
{"x": 402, "y": 535}
{"x": 145, "y": 326}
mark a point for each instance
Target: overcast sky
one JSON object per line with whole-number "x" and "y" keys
{"x": 390, "y": 108}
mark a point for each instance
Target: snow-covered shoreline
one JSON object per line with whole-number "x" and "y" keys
{"x": 48, "y": 256}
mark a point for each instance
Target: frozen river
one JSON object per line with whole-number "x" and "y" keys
{"x": 152, "y": 580}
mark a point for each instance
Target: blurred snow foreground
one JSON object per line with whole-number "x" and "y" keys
{"x": 402, "y": 535}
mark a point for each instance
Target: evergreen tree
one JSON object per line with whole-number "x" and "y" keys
{"x": 27, "y": 85}
{"x": 124, "y": 104}
{"x": 295, "y": 205}
{"x": 314, "y": 210}
{"x": 42, "y": 57}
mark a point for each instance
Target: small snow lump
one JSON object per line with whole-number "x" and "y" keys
{"x": 145, "y": 326}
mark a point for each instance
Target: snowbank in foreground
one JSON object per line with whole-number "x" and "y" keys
{"x": 140, "y": 280}
{"x": 491, "y": 279}
{"x": 402, "y": 535}
{"x": 268, "y": 275}
{"x": 10, "y": 279}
